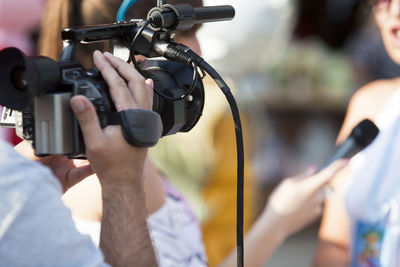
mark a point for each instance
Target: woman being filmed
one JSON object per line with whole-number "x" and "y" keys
{"x": 360, "y": 220}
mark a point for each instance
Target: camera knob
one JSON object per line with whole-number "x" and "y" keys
{"x": 92, "y": 73}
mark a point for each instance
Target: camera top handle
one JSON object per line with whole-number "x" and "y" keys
{"x": 100, "y": 32}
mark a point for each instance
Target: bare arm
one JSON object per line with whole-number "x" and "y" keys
{"x": 331, "y": 255}
{"x": 124, "y": 238}
{"x": 294, "y": 204}
{"x": 123, "y": 208}
{"x": 333, "y": 243}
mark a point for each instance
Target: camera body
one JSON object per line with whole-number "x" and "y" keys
{"x": 46, "y": 119}
{"x": 49, "y": 122}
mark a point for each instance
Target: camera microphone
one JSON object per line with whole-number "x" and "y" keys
{"x": 361, "y": 136}
{"x": 183, "y": 17}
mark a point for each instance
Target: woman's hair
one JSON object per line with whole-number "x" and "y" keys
{"x": 60, "y": 14}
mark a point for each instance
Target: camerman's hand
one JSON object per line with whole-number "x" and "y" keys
{"x": 124, "y": 237}
{"x": 69, "y": 172}
{"x": 108, "y": 152}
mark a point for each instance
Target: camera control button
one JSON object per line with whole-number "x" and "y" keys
{"x": 75, "y": 73}
{"x": 92, "y": 73}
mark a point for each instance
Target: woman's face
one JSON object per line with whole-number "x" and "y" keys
{"x": 387, "y": 14}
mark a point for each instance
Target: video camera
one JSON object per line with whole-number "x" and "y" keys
{"x": 36, "y": 90}
{"x": 40, "y": 88}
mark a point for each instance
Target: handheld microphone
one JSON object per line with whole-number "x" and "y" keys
{"x": 361, "y": 136}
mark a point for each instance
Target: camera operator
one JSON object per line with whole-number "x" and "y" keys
{"x": 36, "y": 229}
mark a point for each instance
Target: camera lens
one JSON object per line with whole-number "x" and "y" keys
{"x": 18, "y": 78}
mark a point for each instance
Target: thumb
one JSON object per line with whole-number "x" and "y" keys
{"x": 88, "y": 120}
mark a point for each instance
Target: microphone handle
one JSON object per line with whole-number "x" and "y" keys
{"x": 346, "y": 150}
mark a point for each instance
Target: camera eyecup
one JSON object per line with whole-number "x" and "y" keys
{"x": 23, "y": 77}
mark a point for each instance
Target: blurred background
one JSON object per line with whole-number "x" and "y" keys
{"x": 293, "y": 66}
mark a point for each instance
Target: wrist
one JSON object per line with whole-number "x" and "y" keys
{"x": 125, "y": 166}
{"x": 120, "y": 175}
{"x": 127, "y": 185}
{"x": 277, "y": 223}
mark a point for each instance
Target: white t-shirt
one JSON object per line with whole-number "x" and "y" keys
{"x": 373, "y": 196}
{"x": 367, "y": 163}
{"x": 36, "y": 229}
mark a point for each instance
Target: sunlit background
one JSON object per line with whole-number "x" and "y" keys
{"x": 294, "y": 65}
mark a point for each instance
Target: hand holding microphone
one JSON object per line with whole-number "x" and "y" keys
{"x": 360, "y": 137}
{"x": 298, "y": 201}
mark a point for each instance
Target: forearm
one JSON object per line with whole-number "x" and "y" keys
{"x": 124, "y": 238}
{"x": 329, "y": 254}
{"x": 260, "y": 243}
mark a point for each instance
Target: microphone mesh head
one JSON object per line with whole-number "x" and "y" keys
{"x": 364, "y": 133}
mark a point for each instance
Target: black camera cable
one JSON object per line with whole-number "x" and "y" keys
{"x": 134, "y": 40}
{"x": 181, "y": 53}
{"x": 240, "y": 157}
